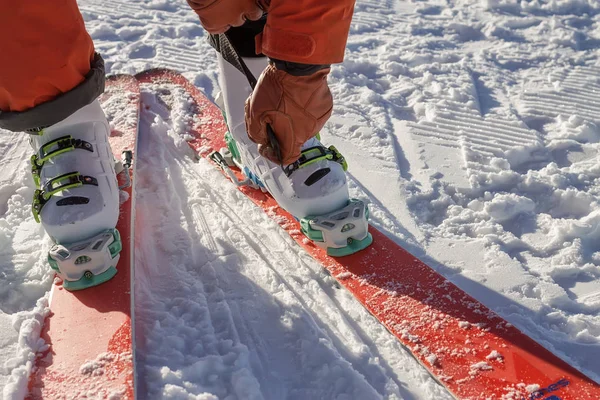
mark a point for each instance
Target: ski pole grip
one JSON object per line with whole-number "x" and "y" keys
{"x": 274, "y": 143}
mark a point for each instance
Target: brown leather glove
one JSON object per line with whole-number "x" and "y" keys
{"x": 296, "y": 107}
{"x": 216, "y": 16}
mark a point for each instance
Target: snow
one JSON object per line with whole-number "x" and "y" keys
{"x": 494, "y": 355}
{"x": 480, "y": 366}
{"x": 97, "y": 367}
{"x": 471, "y": 127}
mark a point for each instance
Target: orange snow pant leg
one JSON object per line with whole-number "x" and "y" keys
{"x": 45, "y": 55}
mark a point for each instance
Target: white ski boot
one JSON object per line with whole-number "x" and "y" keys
{"x": 77, "y": 200}
{"x": 313, "y": 189}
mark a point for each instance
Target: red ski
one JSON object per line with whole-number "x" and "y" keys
{"x": 89, "y": 332}
{"x": 469, "y": 349}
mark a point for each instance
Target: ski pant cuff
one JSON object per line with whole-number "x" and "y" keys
{"x": 59, "y": 108}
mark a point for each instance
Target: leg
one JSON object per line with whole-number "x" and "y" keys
{"x": 51, "y": 55}
{"x": 50, "y": 78}
{"x": 318, "y": 188}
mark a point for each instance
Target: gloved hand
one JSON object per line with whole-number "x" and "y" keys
{"x": 217, "y": 16}
{"x": 296, "y": 107}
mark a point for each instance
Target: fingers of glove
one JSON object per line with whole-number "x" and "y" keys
{"x": 284, "y": 137}
{"x": 284, "y": 128}
{"x": 280, "y": 123}
{"x": 267, "y": 152}
{"x": 253, "y": 127}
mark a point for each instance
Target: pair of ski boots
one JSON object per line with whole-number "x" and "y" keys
{"x": 314, "y": 189}
{"x": 77, "y": 197}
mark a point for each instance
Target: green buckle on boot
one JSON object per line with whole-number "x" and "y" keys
{"x": 315, "y": 154}
{"x": 60, "y": 183}
{"x": 52, "y": 149}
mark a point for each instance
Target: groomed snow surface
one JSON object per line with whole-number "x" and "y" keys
{"x": 471, "y": 127}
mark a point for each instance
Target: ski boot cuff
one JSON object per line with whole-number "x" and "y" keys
{"x": 56, "y": 110}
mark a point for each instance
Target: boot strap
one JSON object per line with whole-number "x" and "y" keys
{"x": 313, "y": 155}
{"x": 55, "y": 185}
{"x": 52, "y": 149}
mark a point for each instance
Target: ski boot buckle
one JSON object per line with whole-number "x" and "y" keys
{"x": 314, "y": 154}
{"x": 54, "y": 148}
{"x": 55, "y": 185}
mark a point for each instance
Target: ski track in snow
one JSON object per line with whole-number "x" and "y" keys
{"x": 257, "y": 317}
{"x": 471, "y": 126}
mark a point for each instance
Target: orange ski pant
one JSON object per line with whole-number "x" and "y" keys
{"x": 45, "y": 51}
